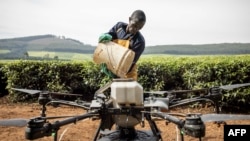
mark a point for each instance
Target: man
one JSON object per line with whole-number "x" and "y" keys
{"x": 128, "y": 36}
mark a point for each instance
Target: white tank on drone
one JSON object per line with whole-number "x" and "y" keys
{"x": 126, "y": 92}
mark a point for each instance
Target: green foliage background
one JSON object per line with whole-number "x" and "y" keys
{"x": 155, "y": 73}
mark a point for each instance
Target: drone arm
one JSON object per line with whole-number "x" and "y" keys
{"x": 170, "y": 118}
{"x": 188, "y": 101}
{"x": 73, "y": 119}
{"x": 69, "y": 103}
{"x": 37, "y": 129}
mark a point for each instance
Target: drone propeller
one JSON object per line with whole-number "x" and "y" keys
{"x": 27, "y": 91}
{"x": 215, "y": 117}
{"x": 175, "y": 92}
{"x": 32, "y": 92}
{"x": 222, "y": 117}
{"x": 56, "y": 93}
{"x": 234, "y": 86}
{"x": 20, "y": 122}
{"x": 224, "y": 87}
{"x": 14, "y": 122}
{"x": 204, "y": 117}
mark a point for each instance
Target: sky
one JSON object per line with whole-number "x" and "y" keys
{"x": 168, "y": 21}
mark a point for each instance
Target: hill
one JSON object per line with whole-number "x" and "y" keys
{"x": 18, "y": 47}
{"x": 51, "y": 46}
{"x": 203, "y": 49}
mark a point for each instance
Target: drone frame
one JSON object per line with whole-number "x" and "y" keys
{"x": 101, "y": 107}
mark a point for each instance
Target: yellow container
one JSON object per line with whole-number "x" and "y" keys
{"x": 117, "y": 58}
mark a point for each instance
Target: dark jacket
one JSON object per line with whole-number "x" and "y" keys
{"x": 137, "y": 42}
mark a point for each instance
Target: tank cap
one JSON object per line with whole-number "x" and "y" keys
{"x": 123, "y": 79}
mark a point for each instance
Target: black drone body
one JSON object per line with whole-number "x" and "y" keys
{"x": 124, "y": 108}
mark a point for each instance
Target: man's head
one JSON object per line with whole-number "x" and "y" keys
{"x": 136, "y": 21}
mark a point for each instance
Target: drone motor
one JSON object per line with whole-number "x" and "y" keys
{"x": 194, "y": 126}
{"x": 36, "y": 128}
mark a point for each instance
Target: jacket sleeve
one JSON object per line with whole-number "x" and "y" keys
{"x": 113, "y": 30}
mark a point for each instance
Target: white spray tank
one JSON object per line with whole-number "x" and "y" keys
{"x": 126, "y": 92}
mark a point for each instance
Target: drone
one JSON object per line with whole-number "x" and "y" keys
{"x": 124, "y": 107}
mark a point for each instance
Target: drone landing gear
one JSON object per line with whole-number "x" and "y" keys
{"x": 130, "y": 133}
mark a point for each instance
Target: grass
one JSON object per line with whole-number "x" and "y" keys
{"x": 3, "y": 51}
{"x": 61, "y": 55}
{"x": 89, "y": 57}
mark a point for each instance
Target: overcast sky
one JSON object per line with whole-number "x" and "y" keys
{"x": 168, "y": 21}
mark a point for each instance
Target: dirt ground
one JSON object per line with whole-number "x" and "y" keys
{"x": 85, "y": 130}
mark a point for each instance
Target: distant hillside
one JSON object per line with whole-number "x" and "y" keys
{"x": 19, "y": 46}
{"x": 204, "y": 49}
{"x": 46, "y": 43}
{"x": 58, "y": 47}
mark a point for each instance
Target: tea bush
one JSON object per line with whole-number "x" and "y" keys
{"x": 154, "y": 73}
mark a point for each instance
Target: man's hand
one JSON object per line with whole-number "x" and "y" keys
{"x": 105, "y": 38}
{"x": 105, "y": 70}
